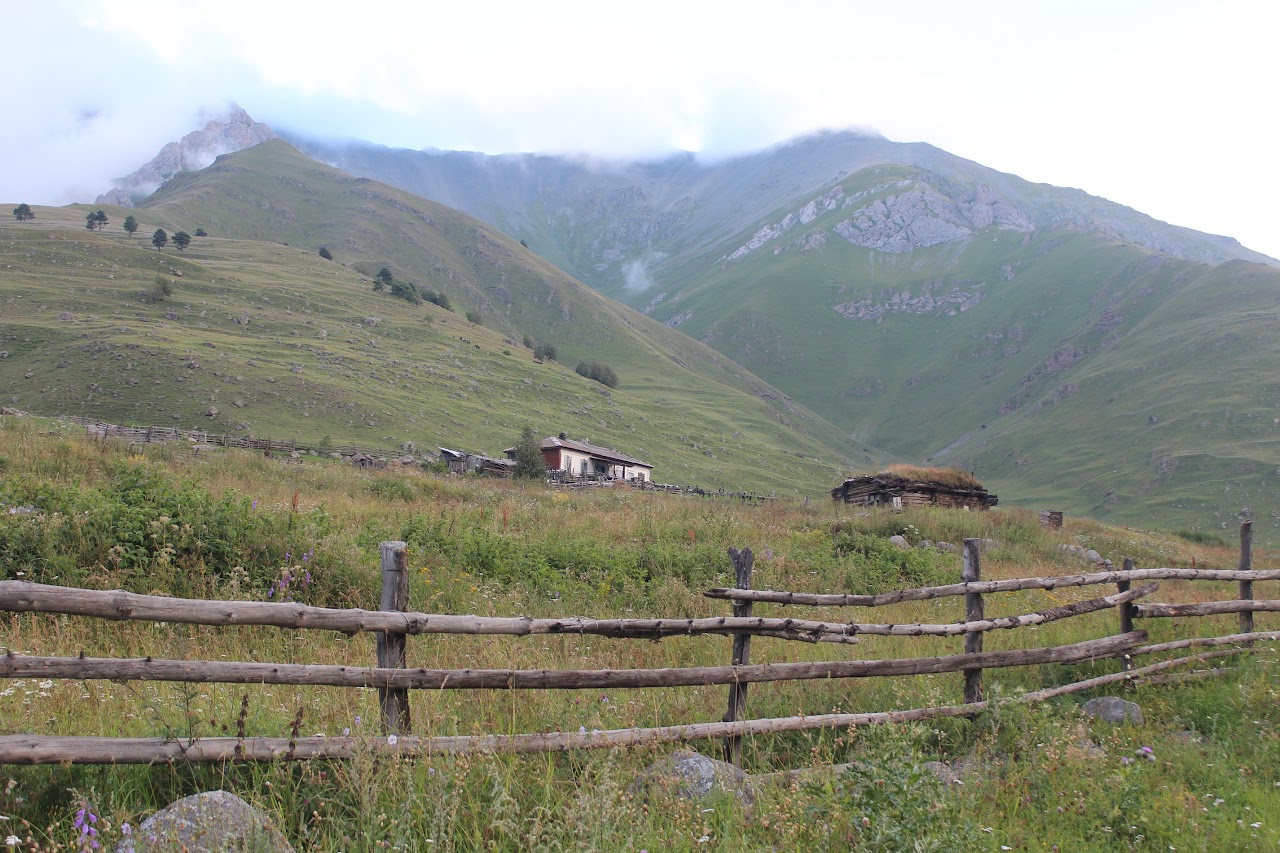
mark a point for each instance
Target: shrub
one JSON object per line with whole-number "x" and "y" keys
{"x": 545, "y": 352}
{"x": 324, "y": 253}
{"x": 601, "y": 373}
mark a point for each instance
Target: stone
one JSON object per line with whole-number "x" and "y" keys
{"x": 211, "y": 822}
{"x": 900, "y": 542}
{"x": 66, "y": 315}
{"x": 689, "y": 775}
{"x": 943, "y": 772}
{"x": 1113, "y": 709}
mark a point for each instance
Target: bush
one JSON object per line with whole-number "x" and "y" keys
{"x": 473, "y": 317}
{"x": 326, "y": 254}
{"x": 545, "y": 352}
{"x": 1199, "y": 537}
{"x": 601, "y": 373}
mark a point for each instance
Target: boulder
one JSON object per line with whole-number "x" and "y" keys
{"x": 689, "y": 775}
{"x": 900, "y": 542}
{"x": 212, "y": 822}
{"x": 1113, "y": 709}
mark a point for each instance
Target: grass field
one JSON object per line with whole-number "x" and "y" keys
{"x": 230, "y": 524}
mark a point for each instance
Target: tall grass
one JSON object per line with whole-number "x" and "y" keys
{"x": 1038, "y": 776}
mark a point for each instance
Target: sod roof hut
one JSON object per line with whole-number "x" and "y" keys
{"x": 904, "y": 485}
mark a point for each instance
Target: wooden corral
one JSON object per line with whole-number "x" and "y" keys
{"x": 905, "y": 486}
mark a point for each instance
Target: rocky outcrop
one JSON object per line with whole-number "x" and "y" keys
{"x": 932, "y": 300}
{"x": 211, "y": 822}
{"x": 198, "y": 149}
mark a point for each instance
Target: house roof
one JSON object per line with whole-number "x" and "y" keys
{"x": 554, "y": 443}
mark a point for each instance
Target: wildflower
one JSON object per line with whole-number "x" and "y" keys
{"x": 346, "y": 731}
{"x": 392, "y": 739}
{"x": 254, "y": 505}
{"x": 126, "y": 829}
{"x": 358, "y": 720}
{"x": 12, "y": 841}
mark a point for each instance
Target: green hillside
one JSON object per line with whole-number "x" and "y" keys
{"x": 1070, "y": 369}
{"x": 262, "y": 336}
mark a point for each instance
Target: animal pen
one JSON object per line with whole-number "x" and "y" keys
{"x": 392, "y": 625}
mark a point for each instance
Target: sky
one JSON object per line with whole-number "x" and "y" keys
{"x": 1168, "y": 106}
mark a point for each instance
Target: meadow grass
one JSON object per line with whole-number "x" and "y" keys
{"x": 229, "y": 524}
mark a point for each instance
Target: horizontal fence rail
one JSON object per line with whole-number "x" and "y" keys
{"x": 231, "y": 672}
{"x": 20, "y": 596}
{"x": 24, "y": 749}
{"x": 821, "y": 599}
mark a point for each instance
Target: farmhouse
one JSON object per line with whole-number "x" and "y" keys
{"x": 905, "y": 485}
{"x": 579, "y": 459}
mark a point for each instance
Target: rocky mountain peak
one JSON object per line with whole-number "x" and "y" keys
{"x": 233, "y": 131}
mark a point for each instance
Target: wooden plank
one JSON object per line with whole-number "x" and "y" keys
{"x": 20, "y": 596}
{"x": 41, "y": 749}
{"x": 928, "y": 593}
{"x": 743, "y": 562}
{"x": 235, "y": 672}
{"x": 972, "y": 573}
{"x": 1246, "y": 586}
{"x": 394, "y": 701}
{"x": 1228, "y": 640}
{"x": 1208, "y": 608}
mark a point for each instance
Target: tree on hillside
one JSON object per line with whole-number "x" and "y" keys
{"x": 385, "y": 276}
{"x": 530, "y": 464}
{"x": 160, "y": 290}
{"x": 23, "y": 212}
{"x": 326, "y": 254}
{"x": 159, "y": 239}
{"x": 130, "y": 224}
{"x": 545, "y": 352}
{"x": 97, "y": 219}
{"x": 200, "y": 232}
{"x": 601, "y": 373}
{"x": 474, "y": 318}
{"x": 181, "y": 239}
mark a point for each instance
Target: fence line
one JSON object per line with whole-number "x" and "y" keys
{"x": 394, "y": 680}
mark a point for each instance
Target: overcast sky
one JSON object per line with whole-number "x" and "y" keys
{"x": 1167, "y": 106}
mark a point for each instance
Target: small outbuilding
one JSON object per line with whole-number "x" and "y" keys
{"x": 906, "y": 485}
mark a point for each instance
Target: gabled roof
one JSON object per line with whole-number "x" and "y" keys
{"x": 554, "y": 443}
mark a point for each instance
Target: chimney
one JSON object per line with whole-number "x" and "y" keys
{"x": 563, "y": 437}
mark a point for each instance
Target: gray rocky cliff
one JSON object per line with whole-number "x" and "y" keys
{"x": 233, "y": 132}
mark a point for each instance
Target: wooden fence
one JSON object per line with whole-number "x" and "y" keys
{"x": 393, "y": 680}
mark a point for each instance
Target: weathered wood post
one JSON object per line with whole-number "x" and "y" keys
{"x": 971, "y": 573}
{"x": 1246, "y": 564}
{"x": 1127, "y": 609}
{"x": 743, "y": 561}
{"x": 391, "y": 652}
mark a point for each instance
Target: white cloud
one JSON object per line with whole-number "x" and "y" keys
{"x": 1155, "y": 104}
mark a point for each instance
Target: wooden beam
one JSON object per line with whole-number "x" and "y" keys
{"x": 931, "y": 592}
{"x": 1208, "y": 608}
{"x": 234, "y": 672}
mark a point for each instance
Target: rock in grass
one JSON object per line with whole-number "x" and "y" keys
{"x": 212, "y": 822}
{"x": 1113, "y": 709}
{"x": 900, "y": 542}
{"x": 689, "y": 775}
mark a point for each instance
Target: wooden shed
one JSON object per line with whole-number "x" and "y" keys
{"x": 903, "y": 486}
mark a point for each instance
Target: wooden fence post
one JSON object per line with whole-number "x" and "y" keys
{"x": 1126, "y": 616}
{"x": 743, "y": 561}
{"x": 1246, "y": 564}
{"x": 971, "y": 573}
{"x": 391, "y": 651}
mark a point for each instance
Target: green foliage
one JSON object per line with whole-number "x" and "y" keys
{"x": 159, "y": 239}
{"x": 545, "y": 352}
{"x": 181, "y": 239}
{"x": 160, "y": 290}
{"x": 530, "y": 463}
{"x": 529, "y": 342}
{"x": 474, "y": 317}
{"x": 438, "y": 298}
{"x": 1200, "y": 537}
{"x": 23, "y": 213}
{"x": 384, "y": 275}
{"x": 96, "y": 220}
{"x": 887, "y": 801}
{"x": 325, "y": 253}
{"x": 873, "y": 564}
{"x": 130, "y": 225}
{"x": 200, "y": 232}
{"x": 601, "y": 373}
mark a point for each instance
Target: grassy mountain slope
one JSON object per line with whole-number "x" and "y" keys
{"x": 261, "y": 335}
{"x": 619, "y": 226}
{"x": 1069, "y": 368}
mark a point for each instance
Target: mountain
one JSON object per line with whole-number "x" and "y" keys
{"x": 234, "y": 131}
{"x": 1076, "y": 353}
{"x": 262, "y": 335}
